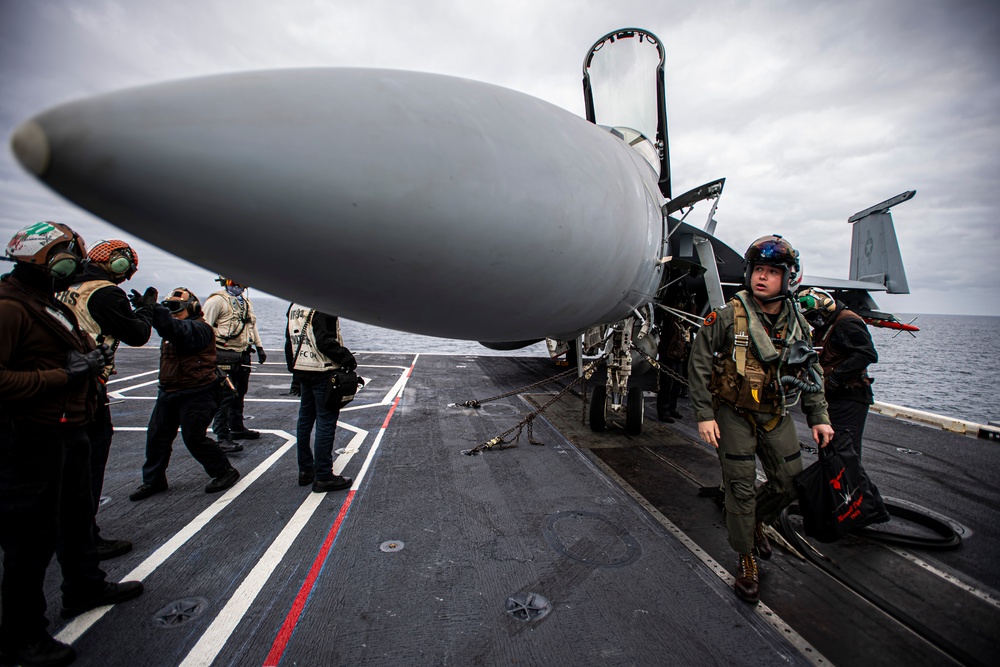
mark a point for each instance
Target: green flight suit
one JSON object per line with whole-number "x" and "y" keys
{"x": 740, "y": 442}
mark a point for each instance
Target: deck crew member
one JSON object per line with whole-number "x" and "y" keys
{"x": 103, "y": 310}
{"x": 230, "y": 313}
{"x": 314, "y": 347}
{"x": 48, "y": 391}
{"x": 739, "y": 404}
{"x": 671, "y": 351}
{"x": 847, "y": 351}
{"x": 188, "y": 396}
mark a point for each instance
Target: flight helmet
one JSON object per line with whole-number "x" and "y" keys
{"x": 52, "y": 246}
{"x": 773, "y": 250}
{"x": 119, "y": 258}
{"x": 817, "y": 306}
{"x": 182, "y": 303}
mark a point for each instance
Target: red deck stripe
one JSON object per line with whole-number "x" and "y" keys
{"x": 285, "y": 634}
{"x": 292, "y": 619}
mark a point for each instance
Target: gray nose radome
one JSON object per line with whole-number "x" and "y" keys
{"x": 31, "y": 147}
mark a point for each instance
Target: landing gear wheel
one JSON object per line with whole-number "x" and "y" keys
{"x": 634, "y": 408}
{"x": 599, "y": 409}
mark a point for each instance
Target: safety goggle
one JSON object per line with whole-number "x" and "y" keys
{"x": 176, "y": 302}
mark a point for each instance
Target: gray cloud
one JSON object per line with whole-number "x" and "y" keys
{"x": 813, "y": 111}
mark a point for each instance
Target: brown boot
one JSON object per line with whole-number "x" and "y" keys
{"x": 760, "y": 542}
{"x": 747, "y": 582}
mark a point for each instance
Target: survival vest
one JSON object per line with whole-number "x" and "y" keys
{"x": 306, "y": 354}
{"x": 77, "y": 297}
{"x": 746, "y": 376}
{"x": 185, "y": 369}
{"x": 235, "y": 324}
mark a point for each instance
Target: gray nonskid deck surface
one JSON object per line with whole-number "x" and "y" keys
{"x": 469, "y": 533}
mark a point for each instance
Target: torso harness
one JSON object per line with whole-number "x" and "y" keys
{"x": 747, "y": 376}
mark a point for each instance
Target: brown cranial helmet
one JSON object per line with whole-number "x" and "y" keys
{"x": 182, "y": 303}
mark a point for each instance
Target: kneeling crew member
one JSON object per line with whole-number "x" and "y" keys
{"x": 847, "y": 351}
{"x": 104, "y": 312}
{"x": 741, "y": 409}
{"x": 188, "y": 396}
{"x": 48, "y": 392}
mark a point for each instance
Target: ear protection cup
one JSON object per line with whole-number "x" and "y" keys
{"x": 121, "y": 265}
{"x": 63, "y": 265}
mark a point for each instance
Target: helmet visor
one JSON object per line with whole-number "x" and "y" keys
{"x": 772, "y": 250}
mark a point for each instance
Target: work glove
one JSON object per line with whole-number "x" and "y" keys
{"x": 296, "y": 388}
{"x": 345, "y": 359}
{"x": 79, "y": 366}
{"x": 145, "y": 300}
{"x": 261, "y": 356}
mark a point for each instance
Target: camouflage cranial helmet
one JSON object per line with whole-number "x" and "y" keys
{"x": 119, "y": 258}
{"x": 182, "y": 303}
{"x": 817, "y": 305}
{"x": 773, "y": 250}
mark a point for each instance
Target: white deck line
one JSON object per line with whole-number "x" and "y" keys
{"x": 79, "y": 625}
{"x": 209, "y": 645}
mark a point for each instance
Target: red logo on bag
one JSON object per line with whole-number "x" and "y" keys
{"x": 835, "y": 482}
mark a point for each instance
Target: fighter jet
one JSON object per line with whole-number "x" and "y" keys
{"x": 414, "y": 201}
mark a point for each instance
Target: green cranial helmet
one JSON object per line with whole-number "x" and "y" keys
{"x": 817, "y": 305}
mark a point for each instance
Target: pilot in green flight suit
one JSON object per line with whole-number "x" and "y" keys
{"x": 740, "y": 407}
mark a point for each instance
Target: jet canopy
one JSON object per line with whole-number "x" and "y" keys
{"x": 623, "y": 89}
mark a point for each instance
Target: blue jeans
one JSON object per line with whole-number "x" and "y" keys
{"x": 312, "y": 410}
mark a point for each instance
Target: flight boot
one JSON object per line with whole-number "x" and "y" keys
{"x": 760, "y": 542}
{"x": 223, "y": 481}
{"x": 111, "y": 548}
{"x": 43, "y": 651}
{"x": 747, "y": 579}
{"x": 228, "y": 446}
{"x": 146, "y": 490}
{"x": 335, "y": 484}
{"x": 244, "y": 434}
{"x": 112, "y": 593}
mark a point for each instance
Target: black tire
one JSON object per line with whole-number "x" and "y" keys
{"x": 634, "y": 409}
{"x": 599, "y": 409}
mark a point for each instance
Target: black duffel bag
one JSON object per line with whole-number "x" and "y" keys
{"x": 342, "y": 385}
{"x": 835, "y": 494}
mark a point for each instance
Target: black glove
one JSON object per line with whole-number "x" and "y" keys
{"x": 345, "y": 359}
{"x": 296, "y": 388}
{"x": 832, "y": 382}
{"x": 144, "y": 300}
{"x": 79, "y": 366}
{"x": 261, "y": 357}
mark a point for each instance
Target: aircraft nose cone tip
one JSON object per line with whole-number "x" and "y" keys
{"x": 31, "y": 147}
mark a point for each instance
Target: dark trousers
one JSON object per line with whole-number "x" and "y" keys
{"x": 669, "y": 388}
{"x": 847, "y": 415}
{"x": 230, "y": 415}
{"x": 192, "y": 412}
{"x": 100, "y": 432}
{"x": 313, "y": 411}
{"x": 45, "y": 502}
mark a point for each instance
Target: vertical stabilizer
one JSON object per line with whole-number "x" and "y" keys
{"x": 875, "y": 253}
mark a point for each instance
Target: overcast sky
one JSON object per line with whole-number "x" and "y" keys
{"x": 812, "y": 111}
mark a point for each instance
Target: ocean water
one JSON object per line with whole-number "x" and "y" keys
{"x": 948, "y": 368}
